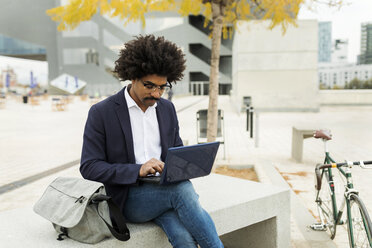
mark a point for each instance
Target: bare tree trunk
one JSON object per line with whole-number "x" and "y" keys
{"x": 217, "y": 13}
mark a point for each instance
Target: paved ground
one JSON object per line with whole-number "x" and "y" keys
{"x": 34, "y": 139}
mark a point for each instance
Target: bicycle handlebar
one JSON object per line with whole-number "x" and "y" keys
{"x": 361, "y": 164}
{"x": 318, "y": 167}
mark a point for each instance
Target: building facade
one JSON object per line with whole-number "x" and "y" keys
{"x": 324, "y": 41}
{"x": 337, "y": 75}
{"x": 339, "y": 51}
{"x": 21, "y": 49}
{"x": 365, "y": 56}
{"x": 278, "y": 72}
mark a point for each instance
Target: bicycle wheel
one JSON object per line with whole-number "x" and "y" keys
{"x": 325, "y": 205}
{"x": 359, "y": 224}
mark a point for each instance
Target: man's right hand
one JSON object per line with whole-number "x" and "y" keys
{"x": 151, "y": 167}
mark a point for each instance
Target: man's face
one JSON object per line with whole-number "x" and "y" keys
{"x": 147, "y": 90}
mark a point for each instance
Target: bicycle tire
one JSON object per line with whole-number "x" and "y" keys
{"x": 325, "y": 205}
{"x": 360, "y": 234}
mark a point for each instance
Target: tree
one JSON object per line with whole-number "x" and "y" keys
{"x": 223, "y": 14}
{"x": 354, "y": 84}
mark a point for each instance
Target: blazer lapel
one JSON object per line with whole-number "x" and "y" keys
{"x": 162, "y": 130}
{"x": 123, "y": 115}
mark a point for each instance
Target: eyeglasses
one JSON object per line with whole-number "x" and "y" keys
{"x": 152, "y": 87}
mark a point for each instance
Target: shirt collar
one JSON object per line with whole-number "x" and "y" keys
{"x": 130, "y": 102}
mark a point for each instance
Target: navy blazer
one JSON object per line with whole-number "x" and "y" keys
{"x": 108, "y": 153}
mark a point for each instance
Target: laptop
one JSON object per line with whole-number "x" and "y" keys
{"x": 186, "y": 162}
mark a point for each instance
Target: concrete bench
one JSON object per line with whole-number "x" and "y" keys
{"x": 298, "y": 136}
{"x": 246, "y": 214}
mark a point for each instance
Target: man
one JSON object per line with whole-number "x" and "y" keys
{"x": 127, "y": 137}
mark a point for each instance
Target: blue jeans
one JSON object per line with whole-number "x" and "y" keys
{"x": 176, "y": 209}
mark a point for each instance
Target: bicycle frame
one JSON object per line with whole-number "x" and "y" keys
{"x": 328, "y": 160}
{"x": 349, "y": 189}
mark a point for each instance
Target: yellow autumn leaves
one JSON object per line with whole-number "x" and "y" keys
{"x": 76, "y": 11}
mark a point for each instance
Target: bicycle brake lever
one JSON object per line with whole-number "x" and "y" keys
{"x": 362, "y": 165}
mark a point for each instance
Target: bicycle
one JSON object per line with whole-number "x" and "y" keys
{"x": 357, "y": 218}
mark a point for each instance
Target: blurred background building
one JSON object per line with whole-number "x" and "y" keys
{"x": 339, "y": 51}
{"x": 324, "y": 41}
{"x": 21, "y": 49}
{"x": 338, "y": 72}
{"x": 263, "y": 64}
{"x": 89, "y": 51}
{"x": 336, "y": 76}
{"x": 365, "y": 56}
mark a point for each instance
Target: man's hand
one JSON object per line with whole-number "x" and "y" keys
{"x": 151, "y": 167}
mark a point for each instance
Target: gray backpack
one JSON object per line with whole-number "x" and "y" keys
{"x": 79, "y": 209}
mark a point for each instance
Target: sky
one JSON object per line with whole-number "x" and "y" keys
{"x": 346, "y": 22}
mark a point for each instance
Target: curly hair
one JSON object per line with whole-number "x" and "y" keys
{"x": 148, "y": 55}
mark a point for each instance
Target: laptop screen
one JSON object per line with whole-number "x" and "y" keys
{"x": 190, "y": 161}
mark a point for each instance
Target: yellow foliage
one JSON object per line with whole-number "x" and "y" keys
{"x": 280, "y": 12}
{"x": 155, "y": 5}
{"x": 207, "y": 13}
{"x": 189, "y": 7}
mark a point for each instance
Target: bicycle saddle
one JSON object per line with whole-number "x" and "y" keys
{"x": 323, "y": 134}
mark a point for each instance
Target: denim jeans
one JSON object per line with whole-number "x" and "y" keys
{"x": 176, "y": 209}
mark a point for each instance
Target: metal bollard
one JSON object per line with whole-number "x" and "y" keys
{"x": 247, "y": 109}
{"x": 251, "y": 110}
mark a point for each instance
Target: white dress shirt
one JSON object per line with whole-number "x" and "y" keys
{"x": 145, "y": 131}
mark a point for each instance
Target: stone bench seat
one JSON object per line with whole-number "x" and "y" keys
{"x": 246, "y": 214}
{"x": 298, "y": 136}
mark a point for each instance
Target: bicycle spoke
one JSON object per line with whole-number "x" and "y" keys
{"x": 360, "y": 238}
{"x": 359, "y": 224}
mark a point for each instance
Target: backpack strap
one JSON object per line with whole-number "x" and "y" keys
{"x": 64, "y": 233}
{"x": 121, "y": 232}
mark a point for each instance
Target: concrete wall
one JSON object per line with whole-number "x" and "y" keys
{"x": 345, "y": 97}
{"x": 278, "y": 71}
